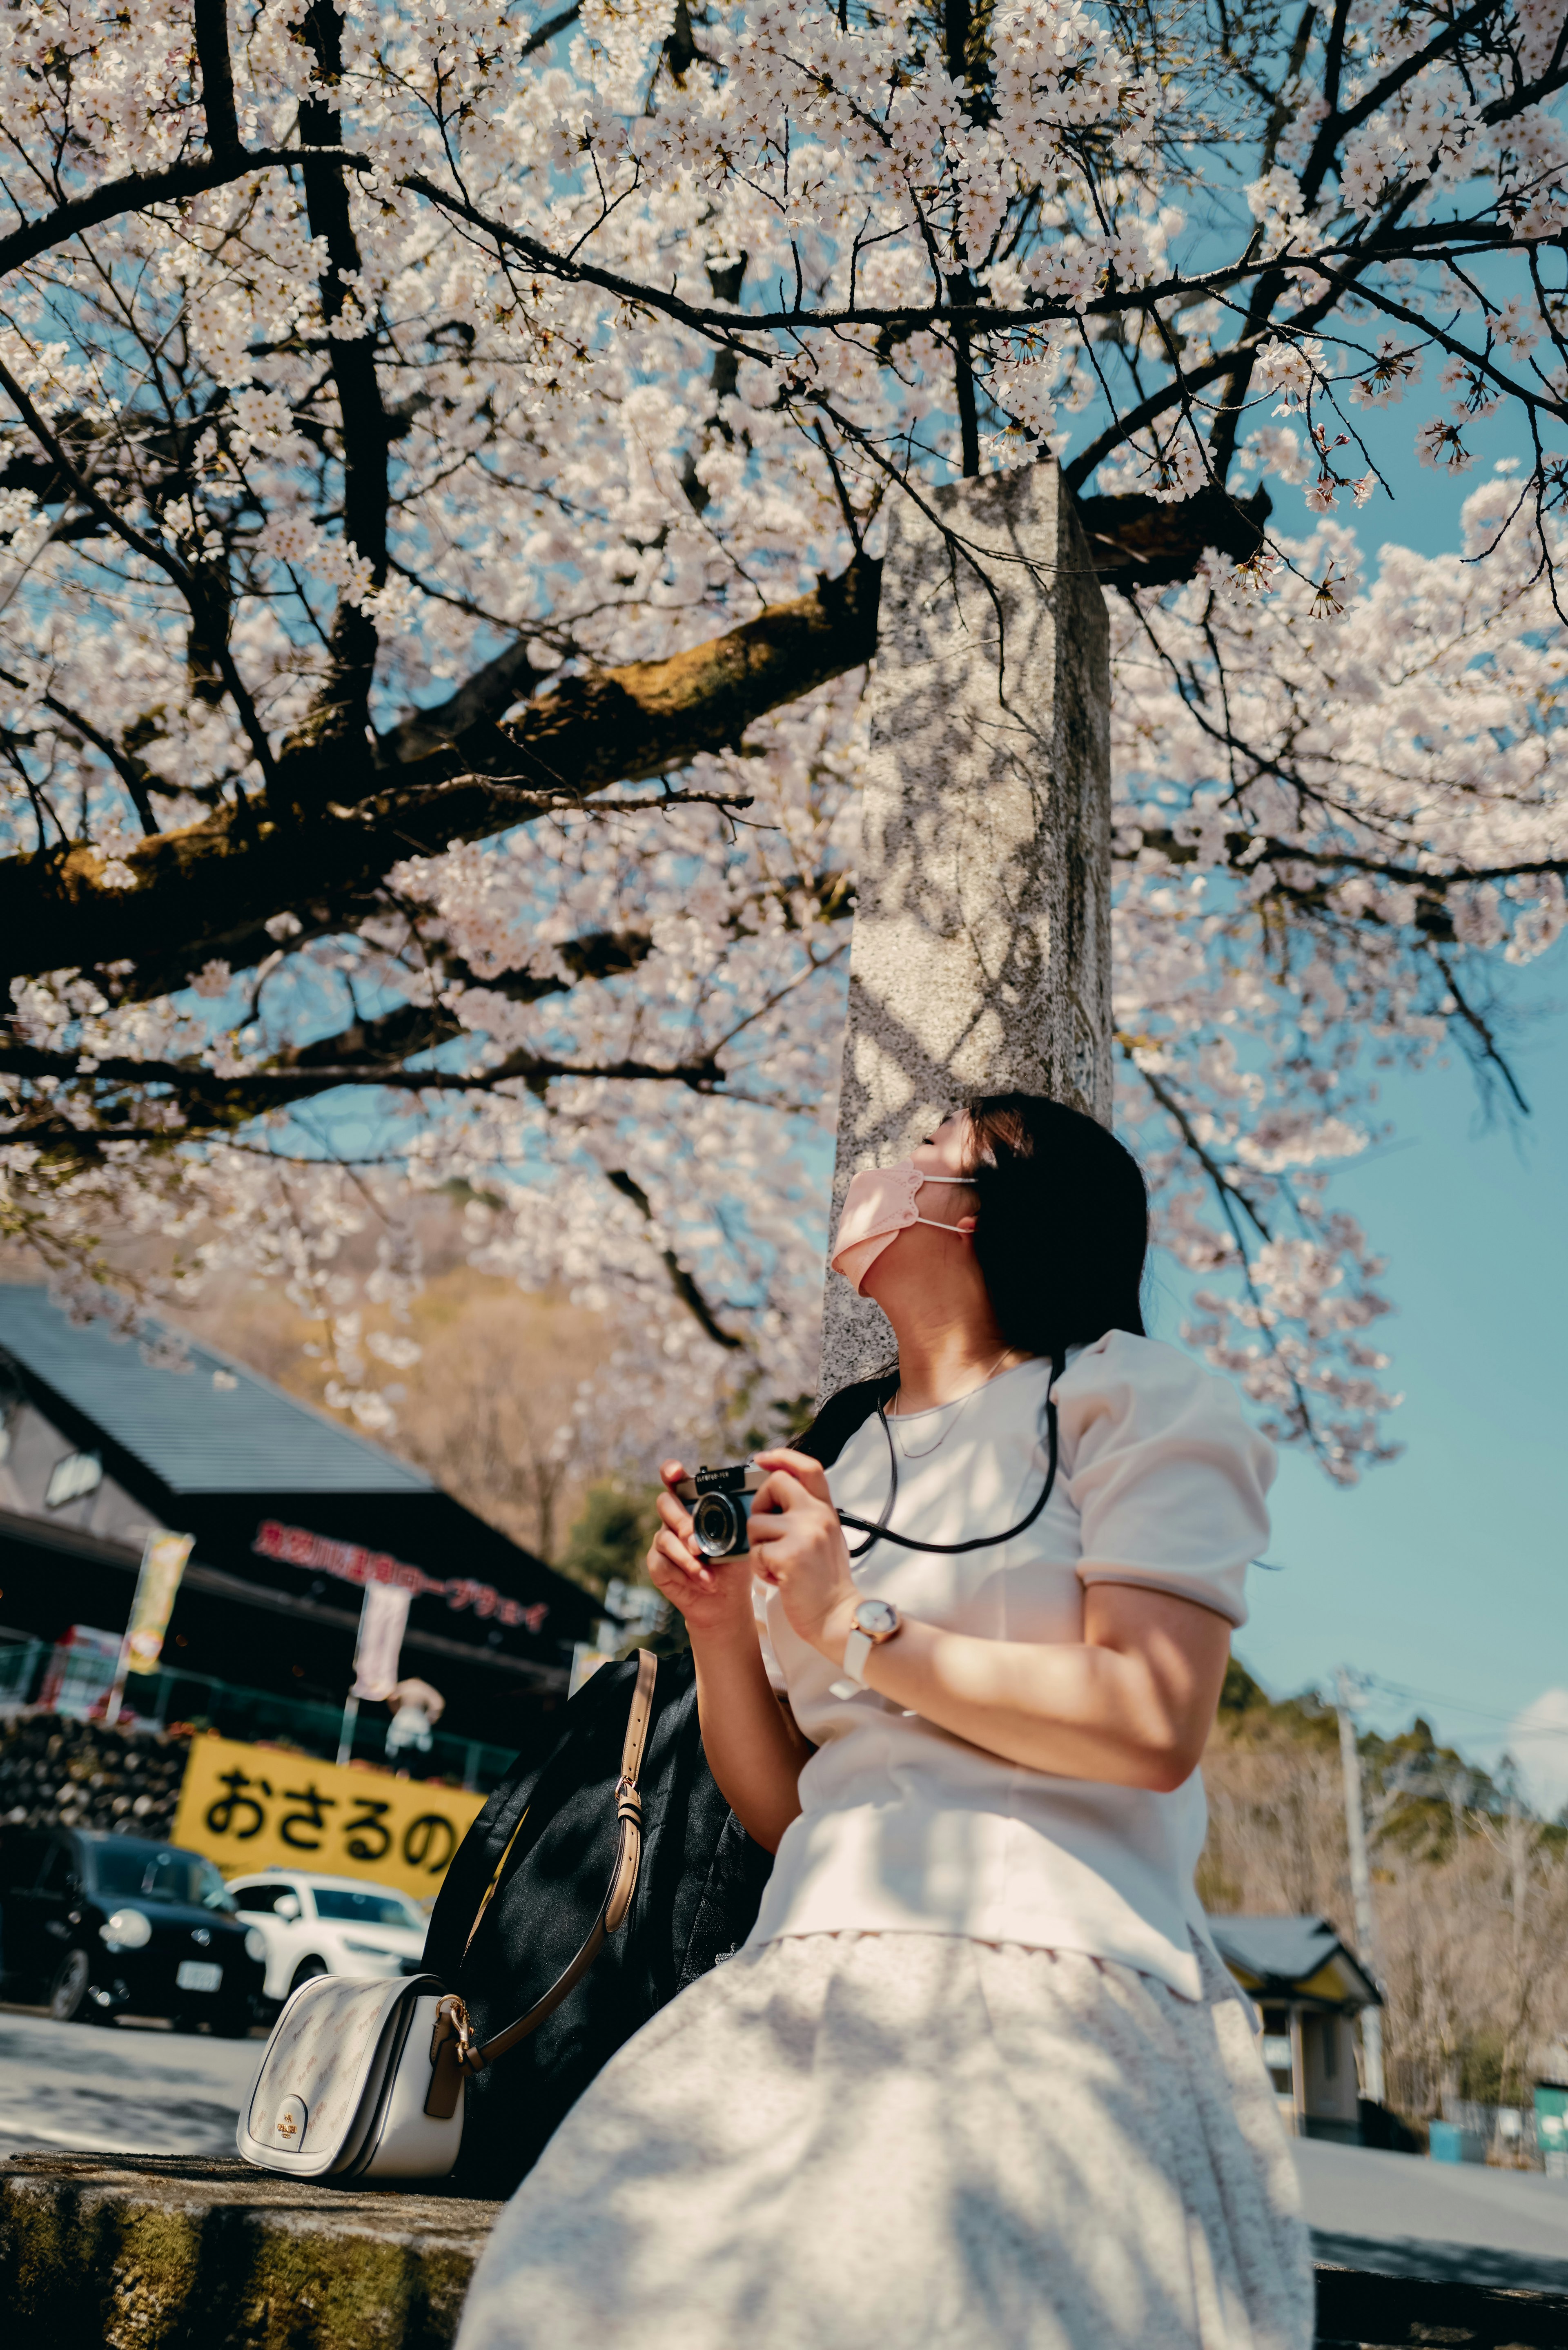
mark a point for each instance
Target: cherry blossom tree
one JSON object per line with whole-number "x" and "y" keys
{"x": 443, "y": 463}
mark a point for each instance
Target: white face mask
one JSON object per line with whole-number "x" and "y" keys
{"x": 879, "y": 1205}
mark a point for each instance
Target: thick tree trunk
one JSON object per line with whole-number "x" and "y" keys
{"x": 981, "y": 958}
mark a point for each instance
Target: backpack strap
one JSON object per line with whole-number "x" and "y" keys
{"x": 453, "y": 2049}
{"x": 841, "y": 1414}
{"x": 471, "y": 1877}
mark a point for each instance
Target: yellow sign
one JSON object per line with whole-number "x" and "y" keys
{"x": 252, "y": 1808}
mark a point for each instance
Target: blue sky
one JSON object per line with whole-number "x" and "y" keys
{"x": 1445, "y": 1573}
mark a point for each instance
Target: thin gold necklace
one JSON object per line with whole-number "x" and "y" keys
{"x": 926, "y": 1450}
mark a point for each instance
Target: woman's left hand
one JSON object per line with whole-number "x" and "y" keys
{"x": 797, "y": 1544}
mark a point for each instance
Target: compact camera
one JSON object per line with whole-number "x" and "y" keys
{"x": 719, "y": 1500}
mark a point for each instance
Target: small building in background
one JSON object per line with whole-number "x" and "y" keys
{"x": 292, "y": 1513}
{"x": 1308, "y": 1987}
{"x": 1549, "y": 2070}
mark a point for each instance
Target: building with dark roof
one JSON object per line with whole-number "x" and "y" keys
{"x": 1308, "y": 1987}
{"x": 100, "y": 1444}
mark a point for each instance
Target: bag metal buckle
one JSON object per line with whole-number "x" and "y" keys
{"x": 452, "y": 2022}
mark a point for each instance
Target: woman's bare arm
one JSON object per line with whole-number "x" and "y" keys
{"x": 754, "y": 1750}
{"x": 1130, "y": 1704}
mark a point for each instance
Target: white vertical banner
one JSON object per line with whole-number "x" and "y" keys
{"x": 383, "y": 1621}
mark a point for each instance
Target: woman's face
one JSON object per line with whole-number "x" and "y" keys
{"x": 946, "y": 1150}
{"x": 920, "y": 1263}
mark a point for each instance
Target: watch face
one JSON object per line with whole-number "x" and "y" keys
{"x": 877, "y": 1618}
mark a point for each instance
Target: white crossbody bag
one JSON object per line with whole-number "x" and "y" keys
{"x": 364, "y": 2079}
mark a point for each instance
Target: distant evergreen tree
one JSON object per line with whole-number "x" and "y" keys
{"x": 611, "y": 1536}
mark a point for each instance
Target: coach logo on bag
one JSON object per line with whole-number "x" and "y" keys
{"x": 290, "y": 2122}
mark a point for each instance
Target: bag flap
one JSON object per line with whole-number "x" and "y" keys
{"x": 320, "y": 2065}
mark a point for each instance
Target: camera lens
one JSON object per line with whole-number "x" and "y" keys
{"x": 716, "y": 1525}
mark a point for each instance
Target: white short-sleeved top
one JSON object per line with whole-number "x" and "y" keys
{"x": 905, "y": 1827}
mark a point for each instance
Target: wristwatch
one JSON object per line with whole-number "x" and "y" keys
{"x": 875, "y": 1620}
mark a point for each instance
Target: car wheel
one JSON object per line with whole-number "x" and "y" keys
{"x": 68, "y": 2001}
{"x": 306, "y": 1970}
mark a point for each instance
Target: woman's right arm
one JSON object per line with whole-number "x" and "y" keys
{"x": 754, "y": 1750}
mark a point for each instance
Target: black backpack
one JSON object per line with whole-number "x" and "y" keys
{"x": 699, "y": 1889}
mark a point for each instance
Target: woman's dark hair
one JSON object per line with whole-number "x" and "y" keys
{"x": 1062, "y": 1228}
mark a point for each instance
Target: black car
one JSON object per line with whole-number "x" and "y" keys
{"x": 104, "y": 1925}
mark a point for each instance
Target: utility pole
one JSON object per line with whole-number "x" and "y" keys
{"x": 1360, "y": 1886}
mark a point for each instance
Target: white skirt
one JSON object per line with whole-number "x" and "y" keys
{"x": 913, "y": 2142}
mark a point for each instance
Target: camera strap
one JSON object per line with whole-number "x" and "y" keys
{"x": 882, "y": 1531}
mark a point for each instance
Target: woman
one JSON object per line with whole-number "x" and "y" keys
{"x": 977, "y": 2078}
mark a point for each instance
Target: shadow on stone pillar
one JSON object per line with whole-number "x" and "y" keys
{"x": 981, "y": 953}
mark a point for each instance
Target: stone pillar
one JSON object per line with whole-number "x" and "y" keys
{"x": 981, "y": 953}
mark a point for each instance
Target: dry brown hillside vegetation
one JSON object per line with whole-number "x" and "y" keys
{"x": 489, "y": 1400}
{"x": 1470, "y": 1892}
{"x": 487, "y": 1406}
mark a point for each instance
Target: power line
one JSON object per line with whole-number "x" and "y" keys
{"x": 1459, "y": 1705}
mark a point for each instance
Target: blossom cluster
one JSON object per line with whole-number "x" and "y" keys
{"x": 662, "y": 310}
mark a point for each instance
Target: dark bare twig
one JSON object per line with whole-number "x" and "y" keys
{"x": 681, "y": 1281}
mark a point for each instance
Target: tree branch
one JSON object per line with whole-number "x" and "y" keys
{"x": 211, "y": 19}
{"x": 208, "y": 889}
{"x": 1239, "y": 845}
{"x": 336, "y": 730}
{"x": 209, "y": 614}
{"x": 543, "y": 35}
{"x": 1146, "y": 542}
{"x": 681, "y": 1281}
{"x": 488, "y": 694}
{"x": 209, "y": 1102}
{"x": 140, "y": 192}
{"x": 413, "y": 1028}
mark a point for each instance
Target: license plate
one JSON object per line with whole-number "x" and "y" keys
{"x": 198, "y": 1974}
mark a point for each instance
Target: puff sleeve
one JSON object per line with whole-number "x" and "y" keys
{"x": 1168, "y": 1477}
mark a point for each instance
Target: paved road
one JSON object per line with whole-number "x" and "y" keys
{"x": 1405, "y": 2216}
{"x": 142, "y": 2089}
{"x": 119, "y": 2088}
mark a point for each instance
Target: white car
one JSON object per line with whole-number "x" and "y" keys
{"x": 330, "y": 1926}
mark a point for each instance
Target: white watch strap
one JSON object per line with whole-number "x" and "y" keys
{"x": 857, "y": 1648}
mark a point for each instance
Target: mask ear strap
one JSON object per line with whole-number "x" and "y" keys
{"x": 936, "y": 1223}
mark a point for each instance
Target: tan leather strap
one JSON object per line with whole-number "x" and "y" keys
{"x": 623, "y": 1876}
{"x": 453, "y": 2049}
{"x": 630, "y": 1768}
